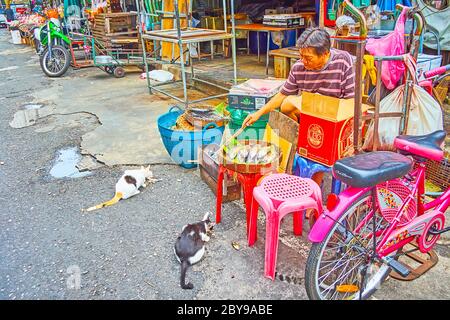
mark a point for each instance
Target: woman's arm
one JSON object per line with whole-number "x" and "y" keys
{"x": 273, "y": 103}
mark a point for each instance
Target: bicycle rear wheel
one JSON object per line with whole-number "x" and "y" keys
{"x": 335, "y": 266}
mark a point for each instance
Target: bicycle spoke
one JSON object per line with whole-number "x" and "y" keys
{"x": 342, "y": 276}
{"x": 348, "y": 249}
{"x": 337, "y": 267}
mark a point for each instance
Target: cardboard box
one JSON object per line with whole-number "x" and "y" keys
{"x": 289, "y": 10}
{"x": 427, "y": 62}
{"x": 285, "y": 20}
{"x": 326, "y": 128}
{"x": 270, "y": 11}
{"x": 253, "y": 94}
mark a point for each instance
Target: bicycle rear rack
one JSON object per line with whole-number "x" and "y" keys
{"x": 425, "y": 264}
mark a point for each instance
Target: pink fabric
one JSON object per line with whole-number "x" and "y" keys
{"x": 392, "y": 44}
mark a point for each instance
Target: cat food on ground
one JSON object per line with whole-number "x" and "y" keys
{"x": 236, "y": 245}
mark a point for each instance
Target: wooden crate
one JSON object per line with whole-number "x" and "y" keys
{"x": 232, "y": 192}
{"x": 209, "y": 171}
{"x": 115, "y": 27}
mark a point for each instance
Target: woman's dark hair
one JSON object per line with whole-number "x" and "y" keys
{"x": 315, "y": 38}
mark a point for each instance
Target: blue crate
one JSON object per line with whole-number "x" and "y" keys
{"x": 183, "y": 146}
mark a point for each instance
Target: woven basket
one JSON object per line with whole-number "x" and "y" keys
{"x": 438, "y": 173}
{"x": 440, "y": 89}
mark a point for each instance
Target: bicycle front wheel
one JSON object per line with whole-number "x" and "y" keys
{"x": 340, "y": 267}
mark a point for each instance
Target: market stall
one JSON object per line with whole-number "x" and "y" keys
{"x": 393, "y": 107}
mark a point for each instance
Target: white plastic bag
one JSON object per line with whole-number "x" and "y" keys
{"x": 425, "y": 116}
{"x": 158, "y": 75}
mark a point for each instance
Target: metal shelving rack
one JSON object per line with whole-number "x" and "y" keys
{"x": 185, "y": 36}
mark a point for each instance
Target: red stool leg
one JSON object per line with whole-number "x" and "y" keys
{"x": 252, "y": 221}
{"x": 219, "y": 194}
{"x": 248, "y": 196}
{"x": 253, "y": 226}
{"x": 272, "y": 233}
{"x": 298, "y": 223}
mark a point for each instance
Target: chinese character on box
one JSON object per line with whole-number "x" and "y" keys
{"x": 326, "y": 128}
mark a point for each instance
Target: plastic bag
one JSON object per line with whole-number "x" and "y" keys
{"x": 390, "y": 45}
{"x": 425, "y": 116}
{"x": 158, "y": 75}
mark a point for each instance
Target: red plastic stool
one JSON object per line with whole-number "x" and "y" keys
{"x": 279, "y": 195}
{"x": 248, "y": 182}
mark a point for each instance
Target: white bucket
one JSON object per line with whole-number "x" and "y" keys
{"x": 16, "y": 38}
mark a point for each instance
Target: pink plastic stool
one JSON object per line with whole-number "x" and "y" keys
{"x": 278, "y": 195}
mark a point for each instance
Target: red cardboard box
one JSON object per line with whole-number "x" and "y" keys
{"x": 326, "y": 128}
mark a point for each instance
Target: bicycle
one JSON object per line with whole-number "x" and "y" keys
{"x": 358, "y": 239}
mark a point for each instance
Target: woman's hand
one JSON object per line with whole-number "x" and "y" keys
{"x": 251, "y": 119}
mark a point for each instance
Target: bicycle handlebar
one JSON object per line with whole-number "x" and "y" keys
{"x": 417, "y": 15}
{"x": 437, "y": 71}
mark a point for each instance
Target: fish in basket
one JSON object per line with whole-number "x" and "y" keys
{"x": 251, "y": 156}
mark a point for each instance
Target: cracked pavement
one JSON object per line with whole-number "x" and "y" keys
{"x": 124, "y": 251}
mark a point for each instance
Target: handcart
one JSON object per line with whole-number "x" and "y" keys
{"x": 113, "y": 60}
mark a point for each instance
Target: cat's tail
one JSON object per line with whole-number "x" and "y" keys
{"x": 184, "y": 267}
{"x": 114, "y": 200}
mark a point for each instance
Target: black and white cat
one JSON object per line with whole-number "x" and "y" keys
{"x": 190, "y": 246}
{"x": 128, "y": 186}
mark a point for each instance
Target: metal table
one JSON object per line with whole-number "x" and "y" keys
{"x": 187, "y": 36}
{"x": 258, "y": 27}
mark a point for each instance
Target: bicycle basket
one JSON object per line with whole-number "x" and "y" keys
{"x": 391, "y": 195}
{"x": 440, "y": 89}
{"x": 438, "y": 173}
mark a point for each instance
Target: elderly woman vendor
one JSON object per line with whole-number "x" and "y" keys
{"x": 319, "y": 70}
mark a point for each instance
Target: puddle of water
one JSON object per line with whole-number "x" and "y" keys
{"x": 29, "y": 116}
{"x": 24, "y": 118}
{"x": 65, "y": 164}
{"x": 32, "y": 106}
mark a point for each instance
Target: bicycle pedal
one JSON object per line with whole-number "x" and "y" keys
{"x": 399, "y": 267}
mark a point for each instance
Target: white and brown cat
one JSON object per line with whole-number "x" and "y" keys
{"x": 128, "y": 186}
{"x": 190, "y": 246}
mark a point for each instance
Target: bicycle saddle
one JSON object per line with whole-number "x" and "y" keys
{"x": 427, "y": 146}
{"x": 369, "y": 169}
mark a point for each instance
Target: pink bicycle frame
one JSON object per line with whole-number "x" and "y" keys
{"x": 393, "y": 238}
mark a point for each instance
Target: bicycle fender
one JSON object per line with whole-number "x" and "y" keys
{"x": 327, "y": 219}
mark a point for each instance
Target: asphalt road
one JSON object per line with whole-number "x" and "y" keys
{"x": 50, "y": 249}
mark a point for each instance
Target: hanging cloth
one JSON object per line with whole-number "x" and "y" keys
{"x": 437, "y": 21}
{"x": 369, "y": 66}
{"x": 392, "y": 44}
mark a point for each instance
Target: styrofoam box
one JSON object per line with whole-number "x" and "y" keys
{"x": 16, "y": 38}
{"x": 427, "y": 62}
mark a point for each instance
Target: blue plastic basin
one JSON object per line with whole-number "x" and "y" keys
{"x": 183, "y": 146}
